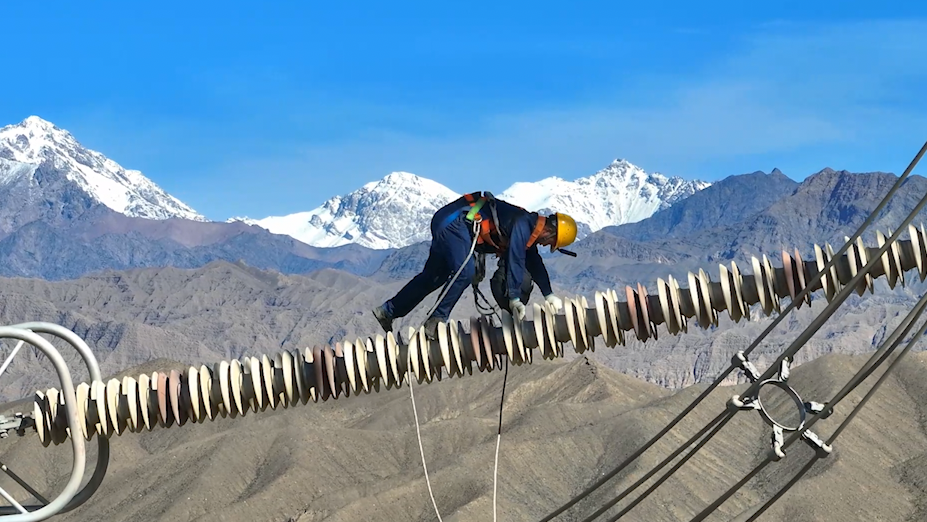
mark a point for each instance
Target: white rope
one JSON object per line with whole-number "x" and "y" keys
{"x": 495, "y": 473}
{"x": 421, "y": 447}
{"x": 418, "y": 429}
{"x": 495, "y": 477}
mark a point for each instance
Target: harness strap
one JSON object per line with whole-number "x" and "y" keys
{"x": 495, "y": 220}
{"x": 538, "y": 228}
{"x": 486, "y": 234}
{"x": 475, "y": 208}
{"x": 485, "y": 225}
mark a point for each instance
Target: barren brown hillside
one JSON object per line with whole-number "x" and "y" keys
{"x": 228, "y": 310}
{"x": 565, "y": 424}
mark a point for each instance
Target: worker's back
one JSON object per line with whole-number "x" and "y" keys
{"x": 507, "y": 215}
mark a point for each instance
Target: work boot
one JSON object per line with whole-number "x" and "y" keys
{"x": 386, "y": 322}
{"x": 431, "y": 328}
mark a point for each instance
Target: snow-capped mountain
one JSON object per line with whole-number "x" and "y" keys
{"x": 396, "y": 211}
{"x": 35, "y": 142}
{"x": 390, "y": 213}
{"x": 620, "y": 193}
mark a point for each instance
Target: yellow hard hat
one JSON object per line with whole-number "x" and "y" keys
{"x": 566, "y": 231}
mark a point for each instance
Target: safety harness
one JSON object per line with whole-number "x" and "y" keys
{"x": 485, "y": 229}
{"x": 488, "y": 226}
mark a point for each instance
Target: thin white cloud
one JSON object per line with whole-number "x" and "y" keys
{"x": 791, "y": 88}
{"x": 798, "y": 95}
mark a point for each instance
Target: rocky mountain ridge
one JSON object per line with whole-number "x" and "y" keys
{"x": 40, "y": 162}
{"x": 395, "y": 211}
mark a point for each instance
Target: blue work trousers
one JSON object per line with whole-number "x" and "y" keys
{"x": 450, "y": 244}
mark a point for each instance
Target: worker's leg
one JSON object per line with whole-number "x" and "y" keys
{"x": 446, "y": 227}
{"x": 432, "y": 276}
{"x": 457, "y": 241}
{"x": 499, "y": 286}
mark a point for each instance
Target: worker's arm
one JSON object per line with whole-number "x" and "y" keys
{"x": 518, "y": 259}
{"x": 538, "y": 271}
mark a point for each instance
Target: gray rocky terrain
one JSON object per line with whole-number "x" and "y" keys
{"x": 720, "y": 204}
{"x": 151, "y": 295}
{"x": 228, "y": 310}
{"x": 565, "y": 424}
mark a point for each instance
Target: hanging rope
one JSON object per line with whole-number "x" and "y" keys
{"x": 418, "y": 430}
{"x": 495, "y": 473}
{"x": 490, "y": 310}
{"x": 421, "y": 447}
{"x": 485, "y": 311}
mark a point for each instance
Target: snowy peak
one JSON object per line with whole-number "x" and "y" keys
{"x": 620, "y": 193}
{"x": 623, "y": 168}
{"x": 396, "y": 210}
{"x": 35, "y": 141}
{"x": 390, "y": 213}
{"x": 395, "y": 183}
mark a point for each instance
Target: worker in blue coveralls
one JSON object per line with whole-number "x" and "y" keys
{"x": 509, "y": 231}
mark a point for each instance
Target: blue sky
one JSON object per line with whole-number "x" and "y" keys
{"x": 247, "y": 108}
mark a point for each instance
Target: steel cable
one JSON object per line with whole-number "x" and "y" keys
{"x": 727, "y": 417}
{"x": 720, "y": 419}
{"x": 874, "y": 362}
{"x": 816, "y": 324}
